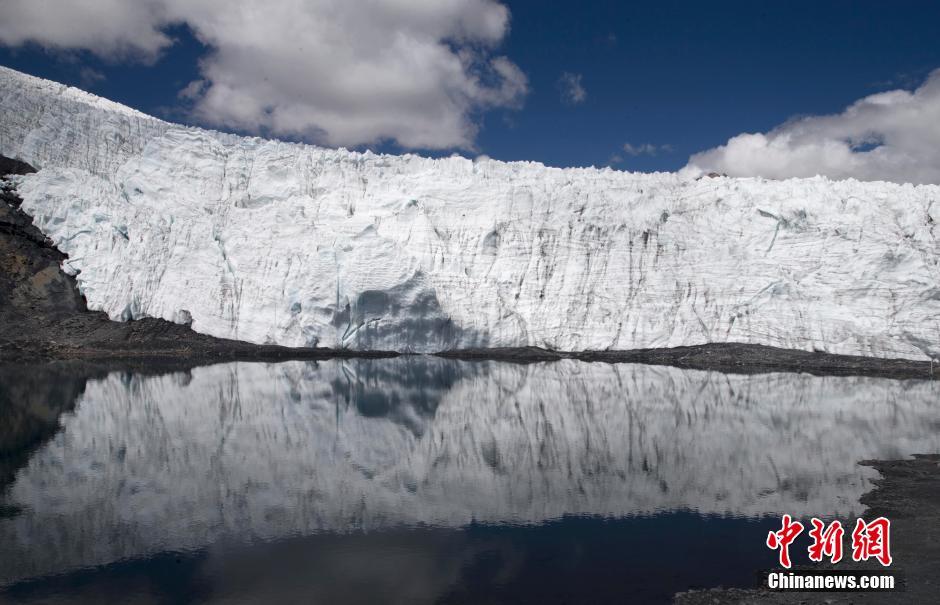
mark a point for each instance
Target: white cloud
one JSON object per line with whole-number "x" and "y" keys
{"x": 111, "y": 28}
{"x": 193, "y": 90}
{"x": 571, "y": 89}
{"x": 629, "y": 149}
{"x": 645, "y": 149}
{"x": 337, "y": 72}
{"x": 893, "y": 136}
{"x": 89, "y": 77}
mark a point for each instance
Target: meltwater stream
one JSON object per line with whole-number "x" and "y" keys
{"x": 419, "y": 479}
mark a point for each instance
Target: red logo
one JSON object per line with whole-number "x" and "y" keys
{"x": 871, "y": 540}
{"x": 783, "y": 538}
{"x": 827, "y": 541}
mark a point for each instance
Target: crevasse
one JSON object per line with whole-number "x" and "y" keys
{"x": 273, "y": 242}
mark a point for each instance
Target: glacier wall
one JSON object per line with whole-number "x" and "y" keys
{"x": 253, "y": 451}
{"x": 272, "y": 242}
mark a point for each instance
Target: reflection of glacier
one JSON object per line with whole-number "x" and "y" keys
{"x": 252, "y": 450}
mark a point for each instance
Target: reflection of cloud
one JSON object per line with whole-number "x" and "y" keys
{"x": 340, "y": 568}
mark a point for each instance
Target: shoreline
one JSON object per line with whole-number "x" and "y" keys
{"x": 169, "y": 348}
{"x": 46, "y": 318}
{"x": 908, "y": 493}
{"x": 734, "y": 358}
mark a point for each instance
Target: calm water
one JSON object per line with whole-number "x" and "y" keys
{"x": 418, "y": 480}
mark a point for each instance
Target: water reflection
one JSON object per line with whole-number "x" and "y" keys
{"x": 30, "y": 406}
{"x": 248, "y": 452}
{"x": 572, "y": 560}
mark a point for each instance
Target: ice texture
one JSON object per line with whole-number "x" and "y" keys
{"x": 252, "y": 451}
{"x": 273, "y": 242}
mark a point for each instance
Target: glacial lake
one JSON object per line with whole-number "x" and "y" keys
{"x": 424, "y": 480}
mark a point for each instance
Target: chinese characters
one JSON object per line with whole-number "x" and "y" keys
{"x": 870, "y": 540}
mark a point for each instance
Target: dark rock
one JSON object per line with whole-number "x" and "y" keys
{"x": 10, "y": 166}
{"x": 909, "y": 495}
{"x": 44, "y": 316}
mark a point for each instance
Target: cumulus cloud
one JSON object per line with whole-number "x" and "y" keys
{"x": 336, "y": 72}
{"x": 110, "y": 28}
{"x": 892, "y": 136}
{"x": 571, "y": 89}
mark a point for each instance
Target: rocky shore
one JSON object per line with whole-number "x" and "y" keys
{"x": 45, "y": 317}
{"x": 44, "y": 320}
{"x": 726, "y": 357}
{"x": 909, "y": 495}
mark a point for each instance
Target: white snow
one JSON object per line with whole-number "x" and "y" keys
{"x": 253, "y": 451}
{"x": 266, "y": 241}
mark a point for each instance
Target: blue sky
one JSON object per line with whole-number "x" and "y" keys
{"x": 667, "y": 79}
{"x": 693, "y": 74}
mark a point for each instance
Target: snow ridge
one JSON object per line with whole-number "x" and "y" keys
{"x": 273, "y": 242}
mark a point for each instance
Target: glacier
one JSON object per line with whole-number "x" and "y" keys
{"x": 274, "y": 242}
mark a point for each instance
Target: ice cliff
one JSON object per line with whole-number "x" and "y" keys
{"x": 272, "y": 242}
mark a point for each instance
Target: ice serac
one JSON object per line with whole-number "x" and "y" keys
{"x": 272, "y": 242}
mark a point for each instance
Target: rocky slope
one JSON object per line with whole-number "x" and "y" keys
{"x": 44, "y": 315}
{"x": 270, "y": 242}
